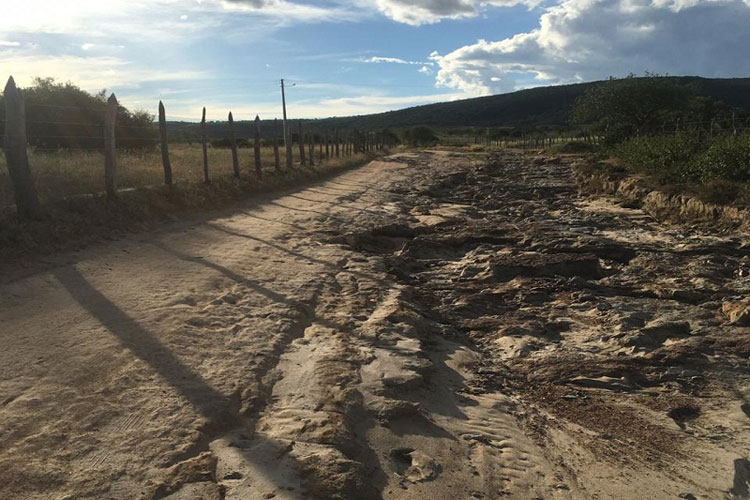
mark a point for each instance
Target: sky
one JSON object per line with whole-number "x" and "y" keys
{"x": 361, "y": 56}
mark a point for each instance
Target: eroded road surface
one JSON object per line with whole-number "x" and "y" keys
{"x": 434, "y": 326}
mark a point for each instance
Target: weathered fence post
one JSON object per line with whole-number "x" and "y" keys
{"x": 301, "y": 145}
{"x": 277, "y": 159}
{"x": 337, "y": 143}
{"x": 256, "y": 146}
{"x": 110, "y": 155}
{"x": 328, "y": 146}
{"x": 164, "y": 145}
{"x": 205, "y": 147}
{"x": 320, "y": 151}
{"x": 16, "y": 155}
{"x": 288, "y": 144}
{"x": 233, "y": 145}
{"x": 311, "y": 149}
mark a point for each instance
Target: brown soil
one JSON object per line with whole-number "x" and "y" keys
{"x": 440, "y": 325}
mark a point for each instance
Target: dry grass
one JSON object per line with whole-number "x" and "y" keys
{"x": 62, "y": 174}
{"x": 70, "y": 220}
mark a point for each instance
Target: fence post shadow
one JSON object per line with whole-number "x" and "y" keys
{"x": 219, "y": 410}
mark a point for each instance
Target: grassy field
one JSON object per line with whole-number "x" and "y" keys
{"x": 69, "y": 220}
{"x": 62, "y": 174}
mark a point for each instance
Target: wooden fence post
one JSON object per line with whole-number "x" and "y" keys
{"x": 256, "y": 146}
{"x": 110, "y": 155}
{"x": 164, "y": 145}
{"x": 301, "y": 145}
{"x": 337, "y": 143}
{"x": 328, "y": 146}
{"x": 288, "y": 145}
{"x": 16, "y": 155}
{"x": 311, "y": 149}
{"x": 205, "y": 147}
{"x": 233, "y": 145}
{"x": 320, "y": 151}
{"x": 277, "y": 159}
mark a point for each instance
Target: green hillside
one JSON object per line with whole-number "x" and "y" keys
{"x": 527, "y": 108}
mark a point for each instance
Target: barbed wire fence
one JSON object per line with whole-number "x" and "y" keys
{"x": 729, "y": 126}
{"x": 111, "y": 140}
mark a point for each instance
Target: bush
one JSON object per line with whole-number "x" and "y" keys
{"x": 670, "y": 157}
{"x": 726, "y": 158}
{"x": 689, "y": 157}
{"x": 621, "y": 108}
{"x": 421, "y": 136}
{"x": 61, "y": 115}
{"x": 632, "y": 106}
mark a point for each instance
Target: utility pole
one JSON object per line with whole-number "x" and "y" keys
{"x": 287, "y": 142}
{"x": 283, "y": 106}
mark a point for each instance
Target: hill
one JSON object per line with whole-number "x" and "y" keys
{"x": 531, "y": 107}
{"x": 524, "y": 108}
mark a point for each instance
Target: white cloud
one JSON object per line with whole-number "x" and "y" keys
{"x": 6, "y": 43}
{"x": 394, "y": 60}
{"x": 152, "y": 20}
{"x": 581, "y": 40}
{"x": 101, "y": 47}
{"x": 157, "y": 18}
{"x": 287, "y": 12}
{"x": 418, "y": 12}
{"x": 90, "y": 73}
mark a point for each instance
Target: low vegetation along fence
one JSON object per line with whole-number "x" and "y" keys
{"x": 92, "y": 161}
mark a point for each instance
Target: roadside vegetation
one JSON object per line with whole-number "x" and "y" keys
{"x": 62, "y": 116}
{"x": 67, "y": 173}
{"x": 75, "y": 221}
{"x": 684, "y": 141}
{"x": 65, "y": 151}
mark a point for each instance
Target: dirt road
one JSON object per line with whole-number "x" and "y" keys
{"x": 434, "y": 326}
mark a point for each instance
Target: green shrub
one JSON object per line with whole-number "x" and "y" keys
{"x": 691, "y": 157}
{"x": 726, "y": 158}
{"x": 421, "y": 136}
{"x": 670, "y": 158}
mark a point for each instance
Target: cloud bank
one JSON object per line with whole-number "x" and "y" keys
{"x": 582, "y": 40}
{"x": 418, "y": 12}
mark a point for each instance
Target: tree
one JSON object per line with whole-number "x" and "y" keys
{"x": 421, "y": 136}
{"x": 633, "y": 106}
{"x": 61, "y": 115}
{"x": 389, "y": 136}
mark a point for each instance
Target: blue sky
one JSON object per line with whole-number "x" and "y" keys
{"x": 360, "y": 56}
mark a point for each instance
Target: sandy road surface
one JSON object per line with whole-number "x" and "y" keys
{"x": 436, "y": 326}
